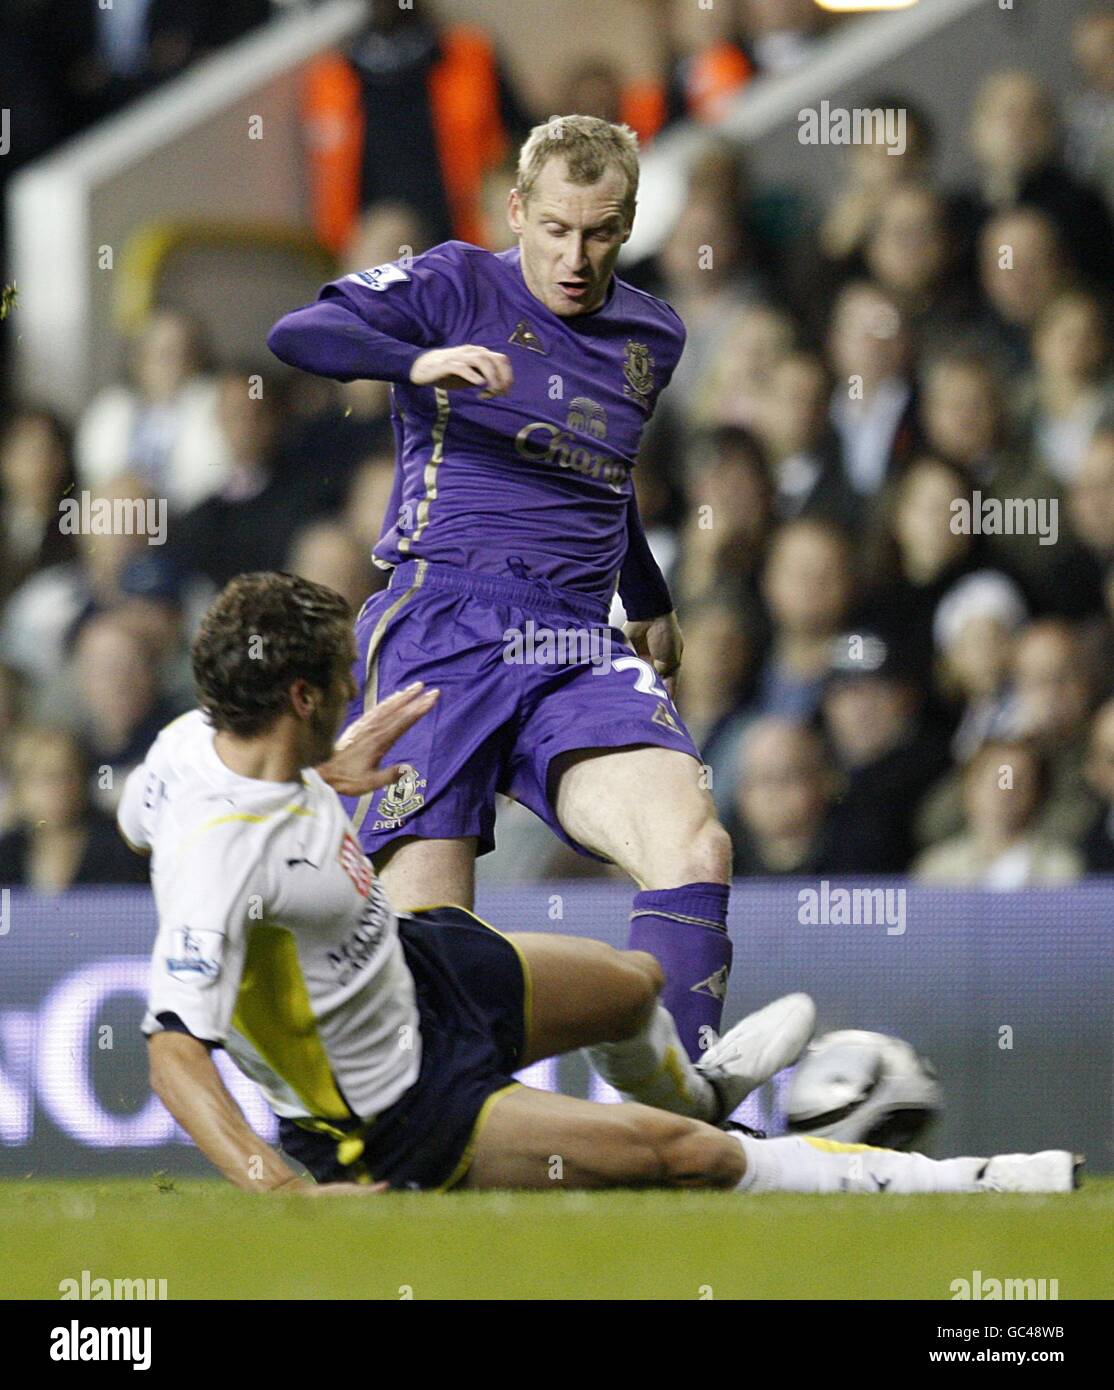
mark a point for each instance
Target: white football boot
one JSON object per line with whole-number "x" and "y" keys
{"x": 1054, "y": 1170}
{"x": 756, "y": 1048}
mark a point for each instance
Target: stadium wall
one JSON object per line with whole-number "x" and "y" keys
{"x": 1010, "y": 995}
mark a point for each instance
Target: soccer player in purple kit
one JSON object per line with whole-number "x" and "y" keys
{"x": 522, "y": 382}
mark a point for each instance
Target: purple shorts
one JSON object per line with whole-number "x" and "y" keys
{"x": 525, "y": 671}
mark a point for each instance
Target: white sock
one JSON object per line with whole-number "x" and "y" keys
{"x": 654, "y": 1068}
{"x": 800, "y": 1164}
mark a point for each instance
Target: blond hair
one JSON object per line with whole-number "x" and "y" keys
{"x": 588, "y": 145}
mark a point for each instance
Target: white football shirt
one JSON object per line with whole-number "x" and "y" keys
{"x": 275, "y": 938}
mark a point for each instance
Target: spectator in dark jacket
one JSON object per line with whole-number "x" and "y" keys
{"x": 107, "y": 56}
{"x": 250, "y": 523}
{"x": 1097, "y": 845}
{"x": 58, "y": 842}
{"x": 786, "y": 820}
{"x": 872, "y": 712}
{"x": 36, "y": 470}
{"x": 1016, "y": 141}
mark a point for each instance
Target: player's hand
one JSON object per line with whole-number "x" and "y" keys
{"x": 354, "y": 769}
{"x": 454, "y": 368}
{"x": 659, "y": 642}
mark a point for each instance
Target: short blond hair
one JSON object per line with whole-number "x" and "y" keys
{"x": 588, "y": 145}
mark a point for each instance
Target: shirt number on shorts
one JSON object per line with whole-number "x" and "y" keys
{"x": 646, "y": 682}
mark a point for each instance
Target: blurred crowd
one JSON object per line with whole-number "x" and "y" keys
{"x": 884, "y": 671}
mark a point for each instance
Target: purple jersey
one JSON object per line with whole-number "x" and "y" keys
{"x": 536, "y": 483}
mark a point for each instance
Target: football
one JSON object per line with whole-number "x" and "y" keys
{"x": 864, "y": 1088}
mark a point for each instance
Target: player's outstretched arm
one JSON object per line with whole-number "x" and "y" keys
{"x": 330, "y": 339}
{"x": 185, "y": 1079}
{"x": 354, "y": 769}
{"x": 188, "y": 1084}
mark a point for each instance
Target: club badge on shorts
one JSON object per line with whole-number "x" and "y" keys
{"x": 403, "y": 796}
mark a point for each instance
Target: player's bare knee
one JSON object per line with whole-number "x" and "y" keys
{"x": 709, "y": 854}
{"x": 699, "y": 852}
{"x": 703, "y": 855}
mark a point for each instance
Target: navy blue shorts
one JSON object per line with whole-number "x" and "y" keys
{"x": 473, "y": 996}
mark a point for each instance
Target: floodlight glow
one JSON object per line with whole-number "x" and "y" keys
{"x": 860, "y": 6}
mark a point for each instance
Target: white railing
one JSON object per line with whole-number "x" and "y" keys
{"x": 184, "y": 151}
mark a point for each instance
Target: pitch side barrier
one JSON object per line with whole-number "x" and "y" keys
{"x": 1011, "y": 995}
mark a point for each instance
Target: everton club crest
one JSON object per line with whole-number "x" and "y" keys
{"x": 638, "y": 368}
{"x": 403, "y": 796}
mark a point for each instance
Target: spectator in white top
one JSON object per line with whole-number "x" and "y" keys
{"x": 1090, "y": 114}
{"x": 781, "y": 34}
{"x": 1003, "y": 788}
{"x": 163, "y": 426}
{"x": 975, "y": 627}
{"x": 40, "y": 615}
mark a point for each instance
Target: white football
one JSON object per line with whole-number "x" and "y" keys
{"x": 863, "y": 1088}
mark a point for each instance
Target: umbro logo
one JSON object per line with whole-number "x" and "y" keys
{"x": 715, "y": 984}
{"x": 662, "y": 716}
{"x": 525, "y": 337}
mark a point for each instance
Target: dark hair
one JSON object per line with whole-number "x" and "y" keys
{"x": 43, "y": 414}
{"x": 964, "y": 356}
{"x": 917, "y": 119}
{"x": 261, "y": 633}
{"x": 714, "y": 443}
{"x": 200, "y": 347}
{"x": 881, "y": 551}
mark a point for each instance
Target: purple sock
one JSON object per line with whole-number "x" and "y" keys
{"x": 686, "y": 929}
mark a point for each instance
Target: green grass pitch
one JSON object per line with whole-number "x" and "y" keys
{"x": 209, "y": 1241}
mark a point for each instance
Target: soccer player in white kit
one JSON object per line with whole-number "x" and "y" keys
{"x": 387, "y": 1045}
